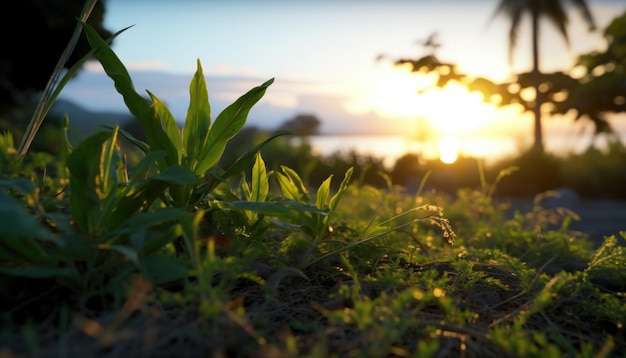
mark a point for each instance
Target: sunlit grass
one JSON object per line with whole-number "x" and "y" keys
{"x": 176, "y": 253}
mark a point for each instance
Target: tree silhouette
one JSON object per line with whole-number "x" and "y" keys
{"x": 34, "y": 34}
{"x": 602, "y": 88}
{"x": 599, "y": 91}
{"x": 302, "y": 125}
{"x": 554, "y": 11}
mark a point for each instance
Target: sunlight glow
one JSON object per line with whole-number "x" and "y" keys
{"x": 442, "y": 123}
{"x": 449, "y": 148}
{"x": 395, "y": 93}
{"x": 454, "y": 110}
{"x": 405, "y": 97}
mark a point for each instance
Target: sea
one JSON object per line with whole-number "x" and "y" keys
{"x": 490, "y": 149}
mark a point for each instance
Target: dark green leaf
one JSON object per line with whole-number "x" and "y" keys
{"x": 227, "y": 124}
{"x": 260, "y": 184}
{"x": 114, "y": 68}
{"x": 38, "y": 272}
{"x": 162, "y": 269}
{"x": 168, "y": 123}
{"x": 84, "y": 168}
{"x": 198, "y": 121}
{"x": 21, "y": 185}
{"x": 19, "y": 232}
{"x": 177, "y": 174}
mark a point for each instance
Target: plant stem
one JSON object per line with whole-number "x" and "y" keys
{"x": 40, "y": 114}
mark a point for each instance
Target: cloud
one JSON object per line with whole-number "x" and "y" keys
{"x": 150, "y": 65}
{"x": 284, "y": 99}
{"x": 229, "y": 70}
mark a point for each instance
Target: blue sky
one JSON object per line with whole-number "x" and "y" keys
{"x": 322, "y": 53}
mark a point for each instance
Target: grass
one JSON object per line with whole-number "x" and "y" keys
{"x": 167, "y": 253}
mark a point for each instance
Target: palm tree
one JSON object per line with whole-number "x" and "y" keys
{"x": 555, "y": 12}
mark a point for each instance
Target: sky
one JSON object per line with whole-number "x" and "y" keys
{"x": 323, "y": 56}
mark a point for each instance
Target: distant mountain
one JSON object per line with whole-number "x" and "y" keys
{"x": 84, "y": 122}
{"x": 284, "y": 100}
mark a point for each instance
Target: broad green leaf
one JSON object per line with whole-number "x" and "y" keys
{"x": 19, "y": 232}
{"x": 227, "y": 124}
{"x": 145, "y": 220}
{"x": 144, "y": 165}
{"x": 295, "y": 178}
{"x": 114, "y": 68}
{"x": 127, "y": 251}
{"x": 62, "y": 223}
{"x": 158, "y": 138}
{"x": 190, "y": 223}
{"x": 38, "y": 272}
{"x": 159, "y": 240}
{"x": 283, "y": 209}
{"x": 265, "y": 208}
{"x": 21, "y": 185}
{"x": 260, "y": 183}
{"x": 107, "y": 164}
{"x": 289, "y": 190}
{"x": 292, "y": 185}
{"x": 74, "y": 247}
{"x": 342, "y": 188}
{"x": 323, "y": 192}
{"x": 136, "y": 104}
{"x": 301, "y": 207}
{"x": 85, "y": 176}
{"x": 287, "y": 225}
{"x": 168, "y": 123}
{"x": 216, "y": 175}
{"x": 72, "y": 71}
{"x": 244, "y": 188}
{"x": 146, "y": 192}
{"x": 133, "y": 202}
{"x": 177, "y": 174}
{"x": 144, "y": 147}
{"x": 162, "y": 269}
{"x": 198, "y": 120}
{"x": 146, "y": 242}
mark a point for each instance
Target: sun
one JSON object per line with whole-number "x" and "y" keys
{"x": 449, "y": 148}
{"x": 451, "y": 110}
{"x": 392, "y": 94}
{"x": 418, "y": 108}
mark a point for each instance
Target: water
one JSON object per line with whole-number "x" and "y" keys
{"x": 490, "y": 149}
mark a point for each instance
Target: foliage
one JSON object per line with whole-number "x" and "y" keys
{"x": 596, "y": 93}
{"x": 302, "y": 125}
{"x": 174, "y": 253}
{"x": 600, "y": 90}
{"x": 553, "y": 10}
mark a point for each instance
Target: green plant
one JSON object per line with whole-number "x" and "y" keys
{"x": 127, "y": 215}
{"x": 173, "y": 252}
{"x": 198, "y": 146}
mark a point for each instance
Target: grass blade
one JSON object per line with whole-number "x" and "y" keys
{"x": 52, "y": 89}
